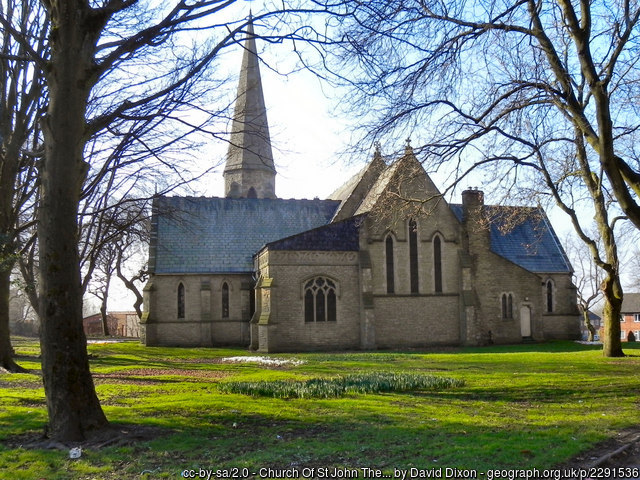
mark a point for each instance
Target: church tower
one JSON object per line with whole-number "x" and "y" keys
{"x": 249, "y": 171}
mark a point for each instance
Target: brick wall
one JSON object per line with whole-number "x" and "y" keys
{"x": 629, "y": 324}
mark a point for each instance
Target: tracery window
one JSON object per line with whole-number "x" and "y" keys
{"x": 390, "y": 267}
{"x": 507, "y": 305}
{"x": 225, "y": 300}
{"x": 181, "y": 305}
{"x": 320, "y": 304}
{"x": 413, "y": 256}
{"x": 549, "y": 288}
{"x": 437, "y": 264}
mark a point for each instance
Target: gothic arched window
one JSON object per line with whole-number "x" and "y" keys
{"x": 320, "y": 301}
{"x": 181, "y": 306}
{"x": 549, "y": 295}
{"x": 252, "y": 193}
{"x": 390, "y": 268}
{"x": 437, "y": 264}
{"x": 225, "y": 300}
{"x": 413, "y": 256}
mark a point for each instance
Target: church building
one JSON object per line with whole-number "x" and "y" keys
{"x": 384, "y": 262}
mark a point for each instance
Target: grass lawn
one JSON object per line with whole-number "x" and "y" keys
{"x": 520, "y": 406}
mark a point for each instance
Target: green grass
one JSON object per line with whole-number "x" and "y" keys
{"x": 519, "y": 406}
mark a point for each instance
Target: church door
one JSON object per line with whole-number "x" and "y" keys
{"x": 525, "y": 321}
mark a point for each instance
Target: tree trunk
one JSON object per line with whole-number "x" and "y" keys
{"x": 72, "y": 403}
{"x": 587, "y": 323}
{"x": 137, "y": 305}
{"x": 7, "y": 252}
{"x": 612, "y": 346}
{"x": 6, "y": 351}
{"x": 103, "y": 316}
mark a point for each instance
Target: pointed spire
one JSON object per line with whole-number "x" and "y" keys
{"x": 249, "y": 171}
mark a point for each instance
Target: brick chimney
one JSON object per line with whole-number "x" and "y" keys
{"x": 472, "y": 202}
{"x": 475, "y": 222}
{"x": 472, "y": 198}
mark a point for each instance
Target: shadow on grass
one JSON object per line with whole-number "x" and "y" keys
{"x": 258, "y": 442}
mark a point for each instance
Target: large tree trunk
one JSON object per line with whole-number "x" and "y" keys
{"x": 612, "y": 346}
{"x": 72, "y": 403}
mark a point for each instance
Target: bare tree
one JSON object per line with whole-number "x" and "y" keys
{"x": 22, "y": 91}
{"x": 541, "y": 95}
{"x": 101, "y": 284}
{"x": 124, "y": 73}
{"x": 634, "y": 270}
{"x": 587, "y": 279}
{"x": 124, "y": 232}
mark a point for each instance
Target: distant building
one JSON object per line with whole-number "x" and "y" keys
{"x": 363, "y": 269}
{"x": 119, "y": 324}
{"x": 630, "y": 316}
{"x": 127, "y": 324}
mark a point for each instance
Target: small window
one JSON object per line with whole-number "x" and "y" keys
{"x": 413, "y": 256}
{"x": 507, "y": 305}
{"x": 437, "y": 264}
{"x": 181, "y": 300}
{"x": 623, "y": 335}
{"x": 252, "y": 193}
{"x": 636, "y": 317}
{"x": 390, "y": 268}
{"x": 549, "y": 289}
{"x": 252, "y": 302}
{"x": 320, "y": 301}
{"x": 225, "y": 300}
{"x": 504, "y": 305}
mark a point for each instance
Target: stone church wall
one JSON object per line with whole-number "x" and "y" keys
{"x": 416, "y": 321}
{"x": 494, "y": 276}
{"x": 203, "y": 323}
{"x": 563, "y": 322}
{"x": 283, "y": 326}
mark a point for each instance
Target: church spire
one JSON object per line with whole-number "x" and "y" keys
{"x": 249, "y": 171}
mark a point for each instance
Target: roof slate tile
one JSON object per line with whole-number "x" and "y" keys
{"x": 529, "y": 242}
{"x": 220, "y": 235}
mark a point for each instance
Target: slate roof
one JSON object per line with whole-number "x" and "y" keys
{"x": 378, "y": 188}
{"x": 220, "y": 235}
{"x": 344, "y": 191}
{"x": 631, "y": 303}
{"x": 531, "y": 243}
{"x": 340, "y": 236}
